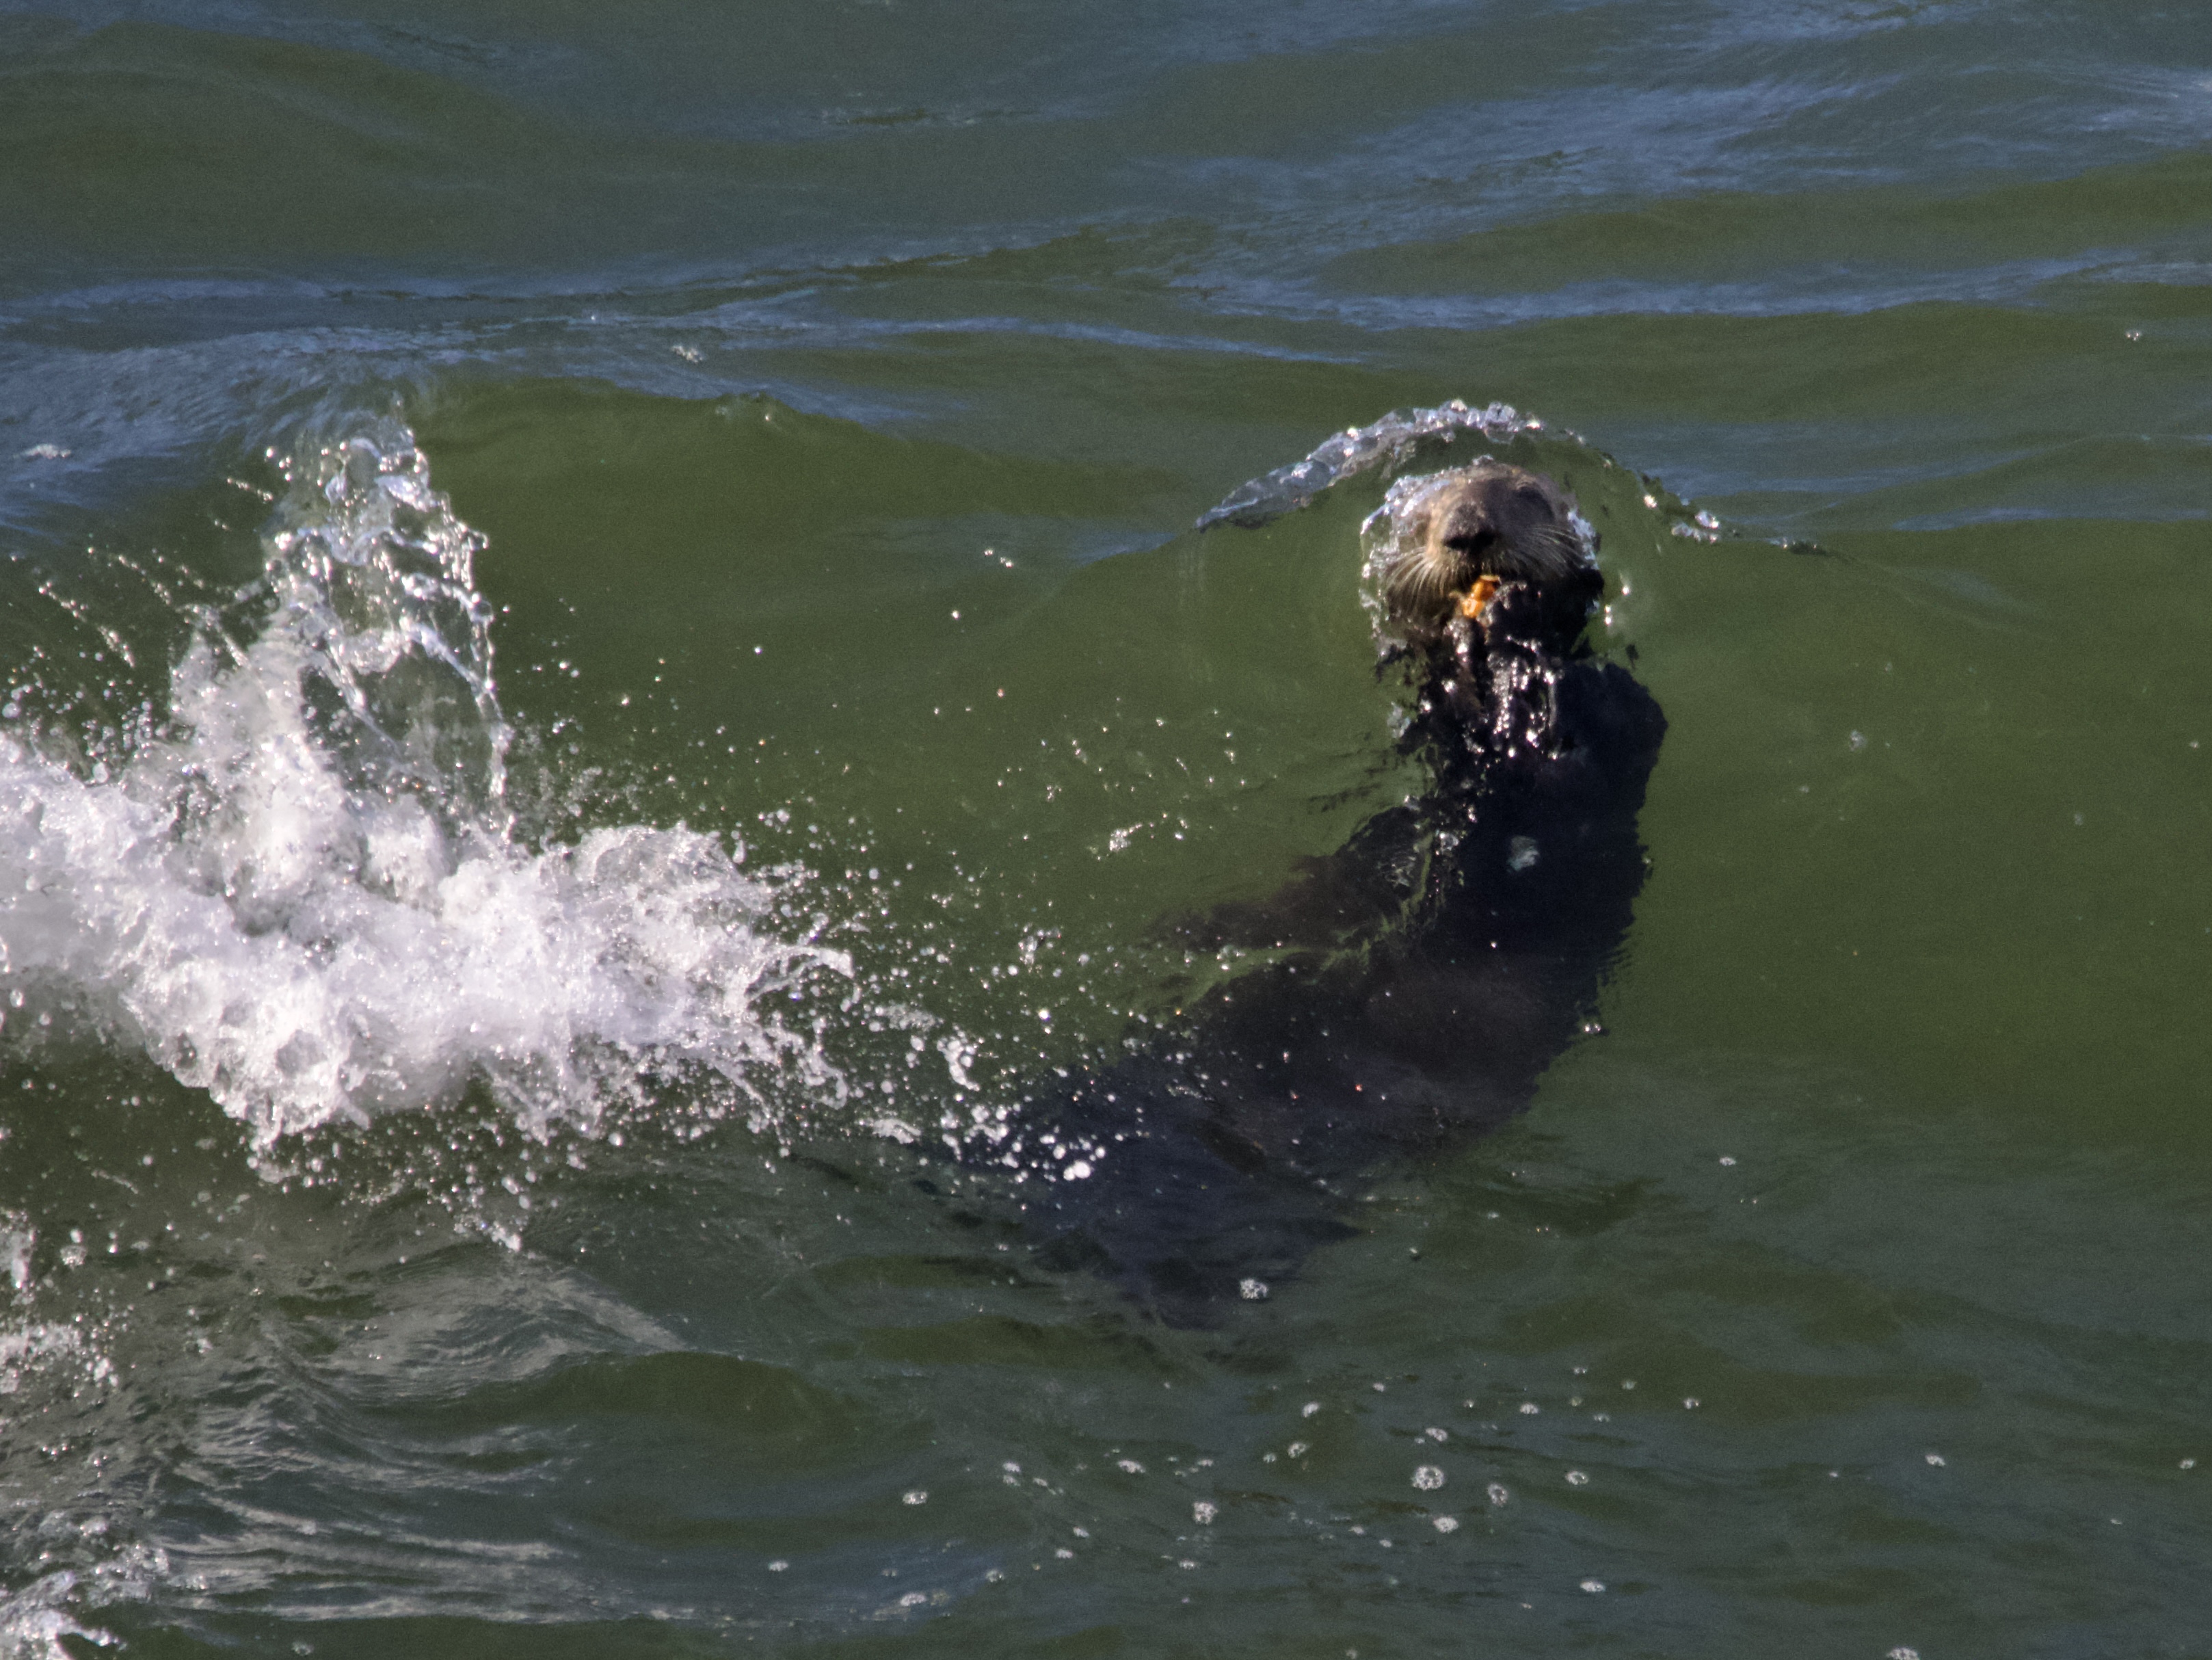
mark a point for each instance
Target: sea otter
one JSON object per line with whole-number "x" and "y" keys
{"x": 1432, "y": 967}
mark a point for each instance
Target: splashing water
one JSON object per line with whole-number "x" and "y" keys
{"x": 306, "y": 896}
{"x": 1391, "y": 441}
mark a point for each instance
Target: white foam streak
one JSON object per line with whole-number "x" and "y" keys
{"x": 305, "y": 898}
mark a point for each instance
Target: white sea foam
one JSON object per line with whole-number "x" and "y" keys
{"x": 34, "y": 1620}
{"x": 306, "y": 896}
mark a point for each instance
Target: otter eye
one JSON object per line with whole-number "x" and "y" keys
{"x": 1532, "y": 495}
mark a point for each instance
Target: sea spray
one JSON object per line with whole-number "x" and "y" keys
{"x": 303, "y": 892}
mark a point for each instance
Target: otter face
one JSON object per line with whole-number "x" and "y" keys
{"x": 1455, "y": 537}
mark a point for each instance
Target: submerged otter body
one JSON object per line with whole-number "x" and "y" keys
{"x": 1435, "y": 963}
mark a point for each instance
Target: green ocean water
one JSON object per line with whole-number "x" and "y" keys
{"x": 602, "y": 622}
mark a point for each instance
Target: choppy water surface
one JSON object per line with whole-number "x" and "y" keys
{"x": 603, "y": 641}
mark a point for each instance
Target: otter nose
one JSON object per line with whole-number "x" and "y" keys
{"x": 1470, "y": 535}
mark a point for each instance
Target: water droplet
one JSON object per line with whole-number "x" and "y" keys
{"x": 1577, "y": 1478}
{"x": 1203, "y": 1513}
{"x": 917, "y": 1497}
{"x": 1498, "y": 1495}
{"x": 1251, "y": 1291}
{"x": 1428, "y": 1478}
{"x": 1593, "y": 1586}
{"x": 1936, "y": 1459}
{"x": 1444, "y": 1523}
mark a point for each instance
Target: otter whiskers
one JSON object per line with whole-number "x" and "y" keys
{"x": 1451, "y": 541}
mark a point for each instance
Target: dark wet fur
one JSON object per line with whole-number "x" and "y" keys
{"x": 1429, "y": 983}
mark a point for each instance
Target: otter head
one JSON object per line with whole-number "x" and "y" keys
{"x": 1489, "y": 538}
